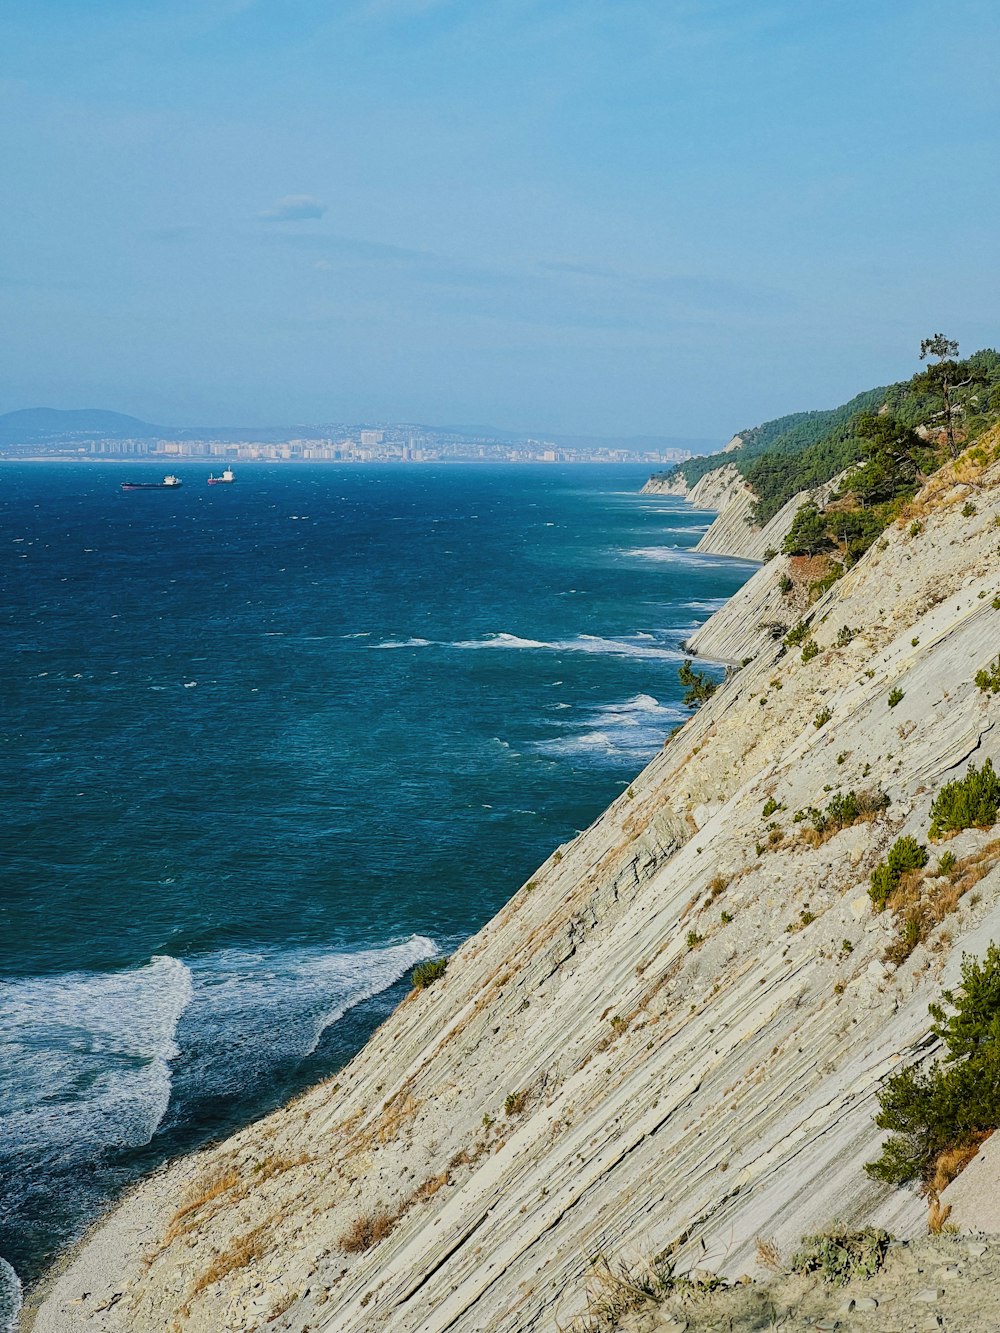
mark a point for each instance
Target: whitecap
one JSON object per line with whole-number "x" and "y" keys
{"x": 630, "y": 731}
{"x": 502, "y": 640}
{"x": 255, "y": 1008}
{"x": 11, "y": 1298}
{"x": 403, "y": 643}
{"x": 92, "y": 1051}
{"x": 190, "y": 684}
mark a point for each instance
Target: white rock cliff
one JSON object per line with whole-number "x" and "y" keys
{"x": 670, "y": 1038}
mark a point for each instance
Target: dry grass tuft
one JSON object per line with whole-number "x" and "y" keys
{"x": 922, "y": 900}
{"x": 367, "y": 1231}
{"x": 768, "y": 1254}
{"x": 243, "y": 1251}
{"x": 208, "y": 1189}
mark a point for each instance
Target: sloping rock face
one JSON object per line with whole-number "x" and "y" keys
{"x": 671, "y": 1037}
{"x": 733, "y": 532}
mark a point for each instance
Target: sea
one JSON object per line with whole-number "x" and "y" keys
{"x": 267, "y": 746}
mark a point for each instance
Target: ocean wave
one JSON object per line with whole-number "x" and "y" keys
{"x": 582, "y": 643}
{"x": 228, "y": 1034}
{"x": 684, "y": 555}
{"x": 11, "y": 1298}
{"x": 630, "y": 731}
{"x": 502, "y": 641}
{"x": 403, "y": 643}
{"x": 92, "y": 1053}
{"x": 101, "y": 1057}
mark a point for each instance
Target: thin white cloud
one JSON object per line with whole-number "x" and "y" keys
{"x": 294, "y": 208}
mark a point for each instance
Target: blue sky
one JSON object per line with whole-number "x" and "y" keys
{"x": 588, "y": 216}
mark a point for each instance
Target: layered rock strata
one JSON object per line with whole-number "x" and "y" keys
{"x": 671, "y": 1038}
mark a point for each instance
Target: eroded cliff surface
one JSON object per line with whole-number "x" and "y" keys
{"x": 672, "y": 1036}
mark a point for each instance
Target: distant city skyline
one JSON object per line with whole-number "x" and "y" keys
{"x": 657, "y": 217}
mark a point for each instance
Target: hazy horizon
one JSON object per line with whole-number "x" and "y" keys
{"x": 670, "y": 219}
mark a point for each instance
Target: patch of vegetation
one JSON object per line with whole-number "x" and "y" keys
{"x": 822, "y": 718}
{"x": 969, "y": 802}
{"x": 770, "y": 806}
{"x": 693, "y": 939}
{"x": 969, "y": 509}
{"x": 797, "y": 634}
{"x": 947, "y": 862}
{"x": 896, "y": 696}
{"x": 821, "y": 585}
{"x": 875, "y": 432}
{"x": 425, "y": 974}
{"x": 988, "y": 677}
{"x": 698, "y": 685}
{"x": 844, "y": 635}
{"x": 785, "y": 585}
{"x": 514, "y": 1103}
{"x": 839, "y": 1255}
{"x": 367, "y": 1231}
{"x": 810, "y": 649}
{"x": 905, "y": 854}
{"x": 938, "y": 1116}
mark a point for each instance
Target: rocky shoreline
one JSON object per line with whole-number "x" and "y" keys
{"x": 670, "y": 1039}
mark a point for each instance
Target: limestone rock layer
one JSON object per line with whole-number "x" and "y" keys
{"x": 671, "y": 1037}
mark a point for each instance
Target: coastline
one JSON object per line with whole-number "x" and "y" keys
{"x": 659, "y": 1042}
{"x": 129, "y": 1219}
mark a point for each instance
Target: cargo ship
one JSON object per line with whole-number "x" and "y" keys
{"x": 168, "y": 483}
{"x": 226, "y": 479}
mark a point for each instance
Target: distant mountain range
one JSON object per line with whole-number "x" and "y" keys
{"x": 50, "y": 423}
{"x": 43, "y": 425}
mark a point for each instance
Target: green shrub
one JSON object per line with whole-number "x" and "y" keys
{"x": 769, "y": 555}
{"x": 969, "y": 509}
{"x": 844, "y": 635}
{"x": 810, "y": 650}
{"x": 839, "y": 1255}
{"x": 916, "y": 529}
{"x": 844, "y": 809}
{"x": 693, "y": 939}
{"x": 770, "y": 805}
{"x": 969, "y": 802}
{"x": 698, "y": 685}
{"x": 947, "y": 862}
{"x": 808, "y": 534}
{"x": 896, "y": 696}
{"x": 955, "y": 1102}
{"x": 822, "y": 718}
{"x": 988, "y": 677}
{"x": 821, "y": 585}
{"x": 796, "y": 635}
{"x": 425, "y": 974}
{"x": 904, "y": 855}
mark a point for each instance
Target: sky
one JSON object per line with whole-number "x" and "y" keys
{"x": 670, "y": 217}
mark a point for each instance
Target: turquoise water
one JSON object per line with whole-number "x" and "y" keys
{"x": 266, "y": 746}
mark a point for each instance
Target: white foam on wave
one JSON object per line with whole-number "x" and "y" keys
{"x": 684, "y": 555}
{"x": 92, "y": 1055}
{"x": 583, "y": 643}
{"x": 626, "y": 732}
{"x": 11, "y": 1298}
{"x": 403, "y": 643}
{"x": 502, "y": 641}
{"x": 253, "y": 1008}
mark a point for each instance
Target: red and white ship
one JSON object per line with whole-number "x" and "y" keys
{"x": 226, "y": 479}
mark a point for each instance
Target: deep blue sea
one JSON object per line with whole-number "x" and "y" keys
{"x": 266, "y": 746}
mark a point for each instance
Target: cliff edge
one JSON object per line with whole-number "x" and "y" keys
{"x": 670, "y": 1039}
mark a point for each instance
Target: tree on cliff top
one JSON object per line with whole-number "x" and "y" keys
{"x": 941, "y": 379}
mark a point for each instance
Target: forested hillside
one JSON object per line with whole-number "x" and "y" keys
{"x": 949, "y": 401}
